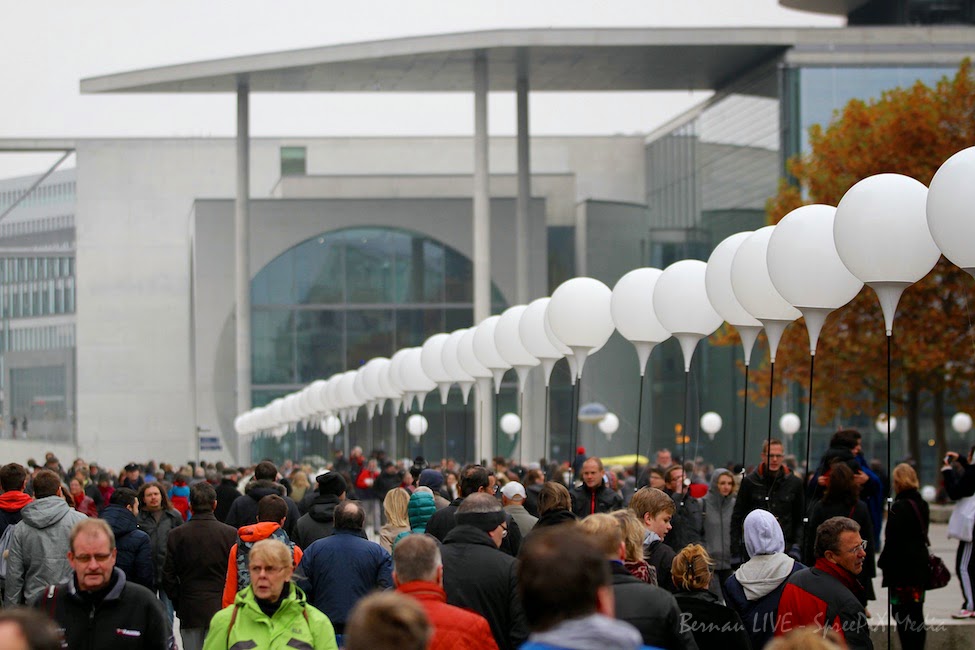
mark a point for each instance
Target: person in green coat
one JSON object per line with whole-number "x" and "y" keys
{"x": 272, "y": 612}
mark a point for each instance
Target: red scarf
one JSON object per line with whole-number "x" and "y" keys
{"x": 848, "y": 579}
{"x": 14, "y": 500}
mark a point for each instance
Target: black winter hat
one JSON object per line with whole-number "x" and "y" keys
{"x": 331, "y": 483}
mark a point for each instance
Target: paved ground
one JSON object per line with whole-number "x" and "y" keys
{"x": 943, "y": 631}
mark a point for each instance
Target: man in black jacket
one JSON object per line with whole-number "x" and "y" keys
{"x": 227, "y": 493}
{"x": 774, "y": 488}
{"x": 648, "y": 608}
{"x": 133, "y": 546}
{"x": 688, "y": 522}
{"x": 196, "y": 566}
{"x": 473, "y": 479}
{"x": 98, "y": 607}
{"x": 593, "y": 495}
{"x": 243, "y": 512}
{"x": 478, "y": 576}
{"x": 319, "y": 521}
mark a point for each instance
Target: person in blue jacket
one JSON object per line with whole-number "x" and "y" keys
{"x": 133, "y": 545}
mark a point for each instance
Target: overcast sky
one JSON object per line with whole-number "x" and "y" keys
{"x": 49, "y": 45}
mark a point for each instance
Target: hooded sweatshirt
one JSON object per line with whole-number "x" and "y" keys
{"x": 238, "y": 569}
{"x": 717, "y": 522}
{"x": 38, "y": 551}
{"x": 769, "y": 566}
{"x": 593, "y": 631}
{"x": 11, "y": 503}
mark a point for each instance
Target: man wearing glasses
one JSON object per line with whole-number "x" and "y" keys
{"x": 480, "y": 577}
{"x": 773, "y": 487}
{"x": 98, "y": 607}
{"x": 826, "y": 595}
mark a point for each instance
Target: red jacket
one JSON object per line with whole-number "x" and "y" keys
{"x": 824, "y": 596}
{"x": 453, "y": 627}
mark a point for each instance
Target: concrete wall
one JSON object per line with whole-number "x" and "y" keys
{"x": 134, "y": 204}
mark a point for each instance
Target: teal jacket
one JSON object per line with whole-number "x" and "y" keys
{"x": 296, "y": 624}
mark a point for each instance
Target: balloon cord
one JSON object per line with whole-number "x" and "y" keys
{"x": 683, "y": 431}
{"x": 443, "y": 460}
{"x": 521, "y": 432}
{"x": 495, "y": 428}
{"x": 574, "y": 427}
{"x": 889, "y": 605}
{"x": 466, "y": 415}
{"x": 744, "y": 429}
{"x": 768, "y": 442}
{"x": 639, "y": 426}
{"x": 805, "y": 476}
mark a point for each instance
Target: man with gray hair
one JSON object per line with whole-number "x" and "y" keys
{"x": 480, "y": 577}
{"x": 828, "y": 594}
{"x": 418, "y": 573}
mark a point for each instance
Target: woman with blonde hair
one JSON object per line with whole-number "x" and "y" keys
{"x": 633, "y": 533}
{"x": 271, "y": 612}
{"x": 904, "y": 560}
{"x": 712, "y": 624}
{"x": 299, "y": 485}
{"x": 396, "y": 506}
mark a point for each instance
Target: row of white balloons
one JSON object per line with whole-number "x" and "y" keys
{"x": 888, "y": 232}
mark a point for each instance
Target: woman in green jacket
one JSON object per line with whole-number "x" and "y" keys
{"x": 271, "y": 612}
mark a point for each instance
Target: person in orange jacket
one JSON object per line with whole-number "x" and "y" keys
{"x": 272, "y": 511}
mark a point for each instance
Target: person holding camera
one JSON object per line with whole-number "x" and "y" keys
{"x": 959, "y": 478}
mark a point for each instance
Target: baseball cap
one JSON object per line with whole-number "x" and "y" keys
{"x": 514, "y": 489}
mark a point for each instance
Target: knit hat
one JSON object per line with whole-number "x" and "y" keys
{"x": 331, "y": 483}
{"x": 419, "y": 510}
{"x": 432, "y": 478}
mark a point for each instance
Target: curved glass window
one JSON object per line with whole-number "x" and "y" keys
{"x": 335, "y": 301}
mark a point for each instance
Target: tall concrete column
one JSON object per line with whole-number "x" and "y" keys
{"x": 524, "y": 181}
{"x": 482, "y": 245}
{"x": 242, "y": 260}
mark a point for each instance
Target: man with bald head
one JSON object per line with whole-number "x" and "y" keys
{"x": 593, "y": 496}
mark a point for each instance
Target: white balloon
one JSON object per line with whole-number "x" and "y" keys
{"x": 316, "y": 396}
{"x": 486, "y": 350}
{"x": 717, "y": 281}
{"x": 609, "y": 425}
{"x": 418, "y": 382}
{"x": 450, "y": 355}
{"x": 961, "y": 423}
{"x": 579, "y": 314}
{"x": 472, "y": 365}
{"x": 881, "y": 234}
{"x": 350, "y": 398}
{"x": 510, "y": 424}
{"x": 789, "y": 424}
{"x": 397, "y": 376}
{"x": 508, "y": 342}
{"x": 331, "y": 425}
{"x": 631, "y": 307}
{"x": 680, "y": 301}
{"x": 882, "y": 422}
{"x": 416, "y": 425}
{"x": 753, "y": 287}
{"x": 929, "y": 493}
{"x": 949, "y": 209}
{"x": 531, "y": 329}
{"x": 362, "y": 390}
{"x": 389, "y": 390}
{"x": 711, "y": 423}
{"x": 431, "y": 361}
{"x": 806, "y": 269}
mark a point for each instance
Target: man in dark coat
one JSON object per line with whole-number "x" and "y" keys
{"x": 345, "y": 566}
{"x": 319, "y": 521}
{"x": 687, "y": 525}
{"x": 827, "y": 594}
{"x": 97, "y": 607}
{"x": 646, "y": 607}
{"x": 473, "y": 479}
{"x": 227, "y": 493}
{"x": 774, "y": 488}
{"x": 196, "y": 566}
{"x": 243, "y": 512}
{"x": 133, "y": 545}
{"x": 593, "y": 495}
{"x": 13, "y": 480}
{"x": 478, "y": 576}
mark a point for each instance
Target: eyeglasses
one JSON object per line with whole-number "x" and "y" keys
{"x": 99, "y": 557}
{"x": 862, "y": 546}
{"x": 504, "y": 530}
{"x": 270, "y": 570}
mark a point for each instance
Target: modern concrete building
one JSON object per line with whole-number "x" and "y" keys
{"x": 219, "y": 273}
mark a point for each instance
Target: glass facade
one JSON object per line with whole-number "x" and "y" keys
{"x": 36, "y": 286}
{"x": 335, "y": 301}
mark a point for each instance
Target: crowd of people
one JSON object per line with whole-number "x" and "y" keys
{"x": 369, "y": 553}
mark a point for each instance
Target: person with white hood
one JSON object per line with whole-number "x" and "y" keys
{"x": 755, "y": 588}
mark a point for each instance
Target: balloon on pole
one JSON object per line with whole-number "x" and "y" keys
{"x": 717, "y": 282}
{"x": 579, "y": 315}
{"x": 631, "y": 307}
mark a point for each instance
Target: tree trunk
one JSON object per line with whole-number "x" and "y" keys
{"x": 913, "y": 423}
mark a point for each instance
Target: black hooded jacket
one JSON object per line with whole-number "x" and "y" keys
{"x": 243, "y": 512}
{"x": 318, "y": 522}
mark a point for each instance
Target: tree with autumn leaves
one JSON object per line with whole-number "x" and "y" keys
{"x": 909, "y": 131}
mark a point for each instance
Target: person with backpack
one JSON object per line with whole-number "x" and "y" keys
{"x": 271, "y": 513}
{"x": 271, "y": 612}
